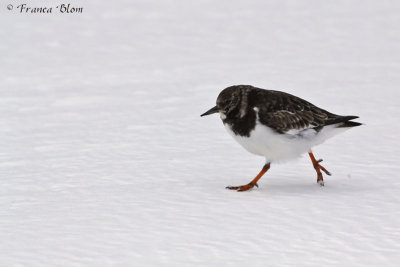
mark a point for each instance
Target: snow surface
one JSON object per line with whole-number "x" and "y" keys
{"x": 105, "y": 161}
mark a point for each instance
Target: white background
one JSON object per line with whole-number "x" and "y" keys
{"x": 104, "y": 159}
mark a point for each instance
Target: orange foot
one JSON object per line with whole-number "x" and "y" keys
{"x": 318, "y": 168}
{"x": 253, "y": 182}
{"x": 242, "y": 188}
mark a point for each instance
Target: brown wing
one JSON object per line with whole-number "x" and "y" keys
{"x": 283, "y": 112}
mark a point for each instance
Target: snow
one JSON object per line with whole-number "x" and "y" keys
{"x": 105, "y": 161}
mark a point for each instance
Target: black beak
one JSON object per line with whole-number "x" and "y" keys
{"x": 211, "y": 111}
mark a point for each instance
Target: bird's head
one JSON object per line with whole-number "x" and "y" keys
{"x": 232, "y": 101}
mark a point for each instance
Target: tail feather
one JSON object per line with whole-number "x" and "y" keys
{"x": 349, "y": 124}
{"x": 344, "y": 120}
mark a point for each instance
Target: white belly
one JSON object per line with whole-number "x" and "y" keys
{"x": 277, "y": 147}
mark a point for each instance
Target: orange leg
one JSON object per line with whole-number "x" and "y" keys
{"x": 253, "y": 182}
{"x": 318, "y": 168}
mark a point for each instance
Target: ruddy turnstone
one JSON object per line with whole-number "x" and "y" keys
{"x": 276, "y": 125}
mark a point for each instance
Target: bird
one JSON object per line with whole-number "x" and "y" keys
{"x": 276, "y": 125}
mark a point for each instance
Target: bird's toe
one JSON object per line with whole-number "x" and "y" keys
{"x": 242, "y": 188}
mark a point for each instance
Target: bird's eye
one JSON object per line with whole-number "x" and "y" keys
{"x": 223, "y": 103}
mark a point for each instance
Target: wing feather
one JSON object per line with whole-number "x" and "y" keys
{"x": 284, "y": 112}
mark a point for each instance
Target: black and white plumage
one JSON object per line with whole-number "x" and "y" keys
{"x": 276, "y": 125}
